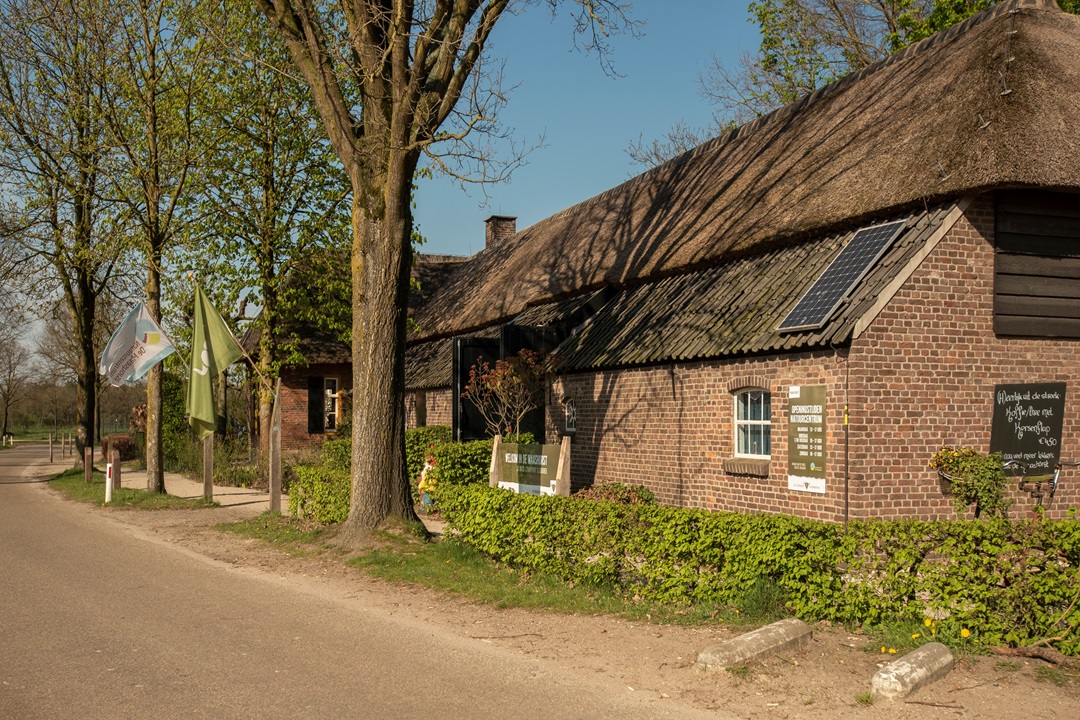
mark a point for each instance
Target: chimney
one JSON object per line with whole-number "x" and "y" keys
{"x": 498, "y": 229}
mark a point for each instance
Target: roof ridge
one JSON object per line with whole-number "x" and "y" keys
{"x": 823, "y": 92}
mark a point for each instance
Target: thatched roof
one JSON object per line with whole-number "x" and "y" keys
{"x": 930, "y": 123}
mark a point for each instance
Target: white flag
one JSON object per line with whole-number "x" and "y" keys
{"x": 136, "y": 346}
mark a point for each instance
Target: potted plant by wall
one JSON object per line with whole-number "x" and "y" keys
{"x": 972, "y": 478}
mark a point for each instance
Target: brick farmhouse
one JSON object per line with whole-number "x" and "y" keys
{"x": 794, "y": 316}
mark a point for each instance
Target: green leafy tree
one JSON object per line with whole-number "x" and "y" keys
{"x": 274, "y": 201}
{"x": 392, "y": 81}
{"x": 53, "y": 144}
{"x": 156, "y": 85}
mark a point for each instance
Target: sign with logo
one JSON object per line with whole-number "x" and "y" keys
{"x": 528, "y": 469}
{"x": 1026, "y": 425}
{"x": 806, "y": 438}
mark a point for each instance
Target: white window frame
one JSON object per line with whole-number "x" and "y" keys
{"x": 764, "y": 422}
{"x": 332, "y": 404}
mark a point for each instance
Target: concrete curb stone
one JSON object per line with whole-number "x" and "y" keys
{"x": 783, "y": 636}
{"x": 918, "y": 668}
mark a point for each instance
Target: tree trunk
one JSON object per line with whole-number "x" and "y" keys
{"x": 380, "y": 272}
{"x": 155, "y": 473}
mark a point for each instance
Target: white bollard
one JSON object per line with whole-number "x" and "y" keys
{"x": 108, "y": 482}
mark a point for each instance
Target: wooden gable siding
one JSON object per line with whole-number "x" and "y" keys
{"x": 1037, "y": 264}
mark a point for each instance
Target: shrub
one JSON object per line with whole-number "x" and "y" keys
{"x": 125, "y": 444}
{"x": 337, "y": 454}
{"x": 419, "y": 443}
{"x": 618, "y": 493}
{"x": 1002, "y": 581}
{"x": 179, "y": 449}
{"x": 320, "y": 493}
{"x": 467, "y": 463}
{"x": 233, "y": 466}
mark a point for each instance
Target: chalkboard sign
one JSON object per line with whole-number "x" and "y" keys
{"x": 1027, "y": 425}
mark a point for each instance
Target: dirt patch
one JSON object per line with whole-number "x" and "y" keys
{"x": 825, "y": 681}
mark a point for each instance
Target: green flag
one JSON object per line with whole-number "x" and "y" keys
{"x": 213, "y": 348}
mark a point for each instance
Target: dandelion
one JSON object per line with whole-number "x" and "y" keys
{"x": 916, "y": 636}
{"x": 964, "y": 632}
{"x": 882, "y": 648}
{"x": 927, "y": 622}
{"x": 892, "y": 651}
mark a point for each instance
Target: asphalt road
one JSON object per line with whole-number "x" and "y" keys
{"x": 96, "y": 622}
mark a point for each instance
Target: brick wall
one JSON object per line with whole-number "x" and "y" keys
{"x": 295, "y": 438}
{"x": 671, "y": 428}
{"x": 439, "y": 410}
{"x": 921, "y": 375}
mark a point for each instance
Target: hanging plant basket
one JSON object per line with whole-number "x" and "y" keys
{"x": 945, "y": 481}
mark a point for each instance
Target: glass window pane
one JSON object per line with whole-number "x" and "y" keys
{"x": 766, "y": 402}
{"x": 755, "y": 405}
{"x": 766, "y": 441}
{"x": 743, "y": 445}
{"x": 755, "y": 439}
{"x": 741, "y": 412}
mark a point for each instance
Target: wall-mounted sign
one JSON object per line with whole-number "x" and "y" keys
{"x": 1027, "y": 424}
{"x": 570, "y": 409}
{"x": 806, "y": 438}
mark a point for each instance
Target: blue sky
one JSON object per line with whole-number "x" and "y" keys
{"x": 588, "y": 118}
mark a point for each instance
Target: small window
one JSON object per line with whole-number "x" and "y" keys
{"x": 330, "y": 406}
{"x": 753, "y": 420}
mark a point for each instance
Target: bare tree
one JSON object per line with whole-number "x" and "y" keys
{"x": 804, "y": 44}
{"x": 15, "y": 375}
{"x": 393, "y": 80}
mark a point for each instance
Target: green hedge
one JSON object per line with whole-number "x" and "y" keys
{"x": 320, "y": 493}
{"x": 419, "y": 443}
{"x": 1006, "y": 581}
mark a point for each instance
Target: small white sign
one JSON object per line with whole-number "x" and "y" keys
{"x": 794, "y": 392}
{"x": 806, "y": 484}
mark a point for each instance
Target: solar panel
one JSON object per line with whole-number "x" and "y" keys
{"x": 843, "y": 273}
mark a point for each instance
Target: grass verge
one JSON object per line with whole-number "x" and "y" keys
{"x": 294, "y": 536}
{"x": 72, "y": 483}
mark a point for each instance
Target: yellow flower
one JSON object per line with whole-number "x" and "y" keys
{"x": 882, "y": 648}
{"x": 916, "y": 636}
{"x": 927, "y": 622}
{"x": 964, "y": 632}
{"x": 892, "y": 651}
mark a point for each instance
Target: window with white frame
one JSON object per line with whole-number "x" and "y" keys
{"x": 753, "y": 420}
{"x": 330, "y": 407}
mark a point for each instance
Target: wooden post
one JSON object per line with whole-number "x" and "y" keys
{"x": 117, "y": 484}
{"x": 494, "y": 474}
{"x": 50, "y": 449}
{"x": 88, "y": 463}
{"x": 562, "y": 476}
{"x": 208, "y": 467}
{"x": 275, "y": 452}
